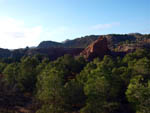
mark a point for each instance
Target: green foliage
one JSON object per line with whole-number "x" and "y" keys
{"x": 22, "y": 75}
{"x": 142, "y": 66}
{"x": 2, "y": 67}
{"x": 97, "y": 91}
{"x": 54, "y": 90}
{"x": 74, "y": 95}
{"x": 51, "y": 89}
{"x": 70, "y": 85}
{"x": 11, "y": 73}
{"x": 82, "y": 77}
{"x": 101, "y": 88}
{"x": 138, "y": 93}
{"x": 28, "y": 73}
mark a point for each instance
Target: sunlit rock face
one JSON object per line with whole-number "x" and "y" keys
{"x": 98, "y": 48}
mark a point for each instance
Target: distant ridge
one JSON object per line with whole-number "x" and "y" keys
{"x": 83, "y": 42}
{"x": 76, "y": 43}
{"x": 48, "y": 44}
{"x": 115, "y": 42}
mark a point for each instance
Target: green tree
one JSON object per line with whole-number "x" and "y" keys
{"x": 83, "y": 75}
{"x": 2, "y": 67}
{"x": 142, "y": 67}
{"x": 51, "y": 90}
{"x": 74, "y": 96}
{"x": 28, "y": 74}
{"x": 102, "y": 88}
{"x": 138, "y": 93}
{"x": 97, "y": 91}
{"x": 12, "y": 74}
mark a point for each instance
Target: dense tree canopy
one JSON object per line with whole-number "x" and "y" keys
{"x": 74, "y": 85}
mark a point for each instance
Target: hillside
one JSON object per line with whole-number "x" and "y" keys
{"x": 116, "y": 43}
{"x": 76, "y": 43}
{"x": 112, "y": 71}
{"x": 75, "y": 85}
{"x": 114, "y": 40}
{"x": 48, "y": 44}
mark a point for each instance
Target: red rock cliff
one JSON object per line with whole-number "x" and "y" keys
{"x": 97, "y": 49}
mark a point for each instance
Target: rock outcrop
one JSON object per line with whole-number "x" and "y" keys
{"x": 98, "y": 48}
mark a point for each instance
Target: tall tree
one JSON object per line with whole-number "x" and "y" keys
{"x": 11, "y": 75}
{"x": 51, "y": 91}
{"x": 138, "y": 93}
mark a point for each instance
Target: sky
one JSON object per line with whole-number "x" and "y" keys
{"x": 28, "y": 22}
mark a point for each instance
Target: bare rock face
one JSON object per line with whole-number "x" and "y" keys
{"x": 97, "y": 49}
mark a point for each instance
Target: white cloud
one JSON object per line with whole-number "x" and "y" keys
{"x": 14, "y": 34}
{"x": 105, "y": 26}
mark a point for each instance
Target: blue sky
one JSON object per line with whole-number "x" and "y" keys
{"x": 28, "y": 22}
